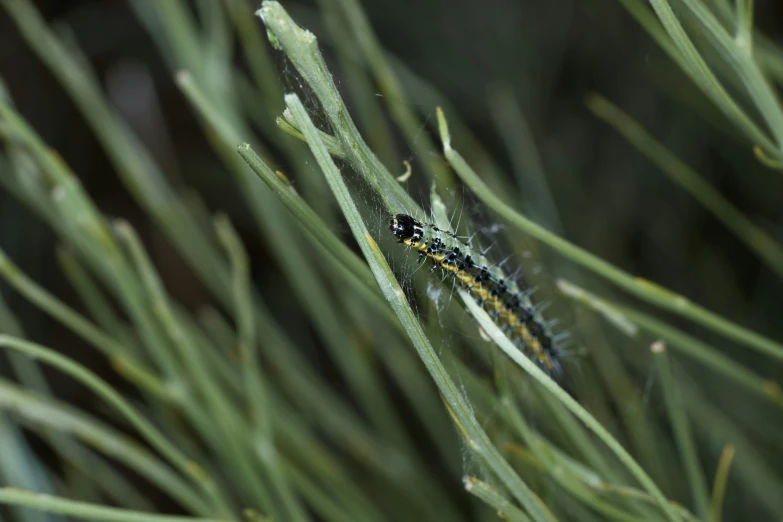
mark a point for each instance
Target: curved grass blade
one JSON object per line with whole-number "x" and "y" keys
{"x": 86, "y": 511}
{"x": 645, "y": 290}
{"x": 55, "y": 417}
{"x": 682, "y": 430}
{"x": 475, "y": 437}
{"x": 755, "y": 238}
{"x": 188, "y": 467}
{"x": 505, "y": 344}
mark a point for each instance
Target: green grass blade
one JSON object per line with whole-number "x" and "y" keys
{"x": 475, "y": 437}
{"x": 392, "y": 93}
{"x": 643, "y": 289}
{"x": 21, "y": 468}
{"x": 719, "y": 487}
{"x": 311, "y": 290}
{"x": 690, "y": 346}
{"x": 131, "y": 160}
{"x": 227, "y": 421}
{"x": 760, "y": 476}
{"x": 737, "y": 51}
{"x": 256, "y": 393}
{"x": 494, "y": 499}
{"x": 99, "y": 386}
{"x": 51, "y": 416}
{"x": 758, "y": 241}
{"x": 117, "y": 353}
{"x": 768, "y": 389}
{"x": 682, "y": 431}
{"x": 526, "y": 364}
{"x": 86, "y": 511}
{"x": 301, "y": 47}
{"x": 525, "y": 157}
{"x": 706, "y": 80}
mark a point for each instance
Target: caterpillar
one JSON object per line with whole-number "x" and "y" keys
{"x": 510, "y": 307}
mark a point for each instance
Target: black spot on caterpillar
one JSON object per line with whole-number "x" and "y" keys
{"x": 508, "y": 305}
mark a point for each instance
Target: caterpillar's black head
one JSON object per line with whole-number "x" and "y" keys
{"x": 405, "y": 227}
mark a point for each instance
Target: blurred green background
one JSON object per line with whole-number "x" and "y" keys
{"x": 549, "y": 55}
{"x": 492, "y": 61}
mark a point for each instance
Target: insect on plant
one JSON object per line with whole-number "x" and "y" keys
{"x": 506, "y": 301}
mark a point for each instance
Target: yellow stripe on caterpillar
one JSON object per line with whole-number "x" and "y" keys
{"x": 510, "y": 307}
